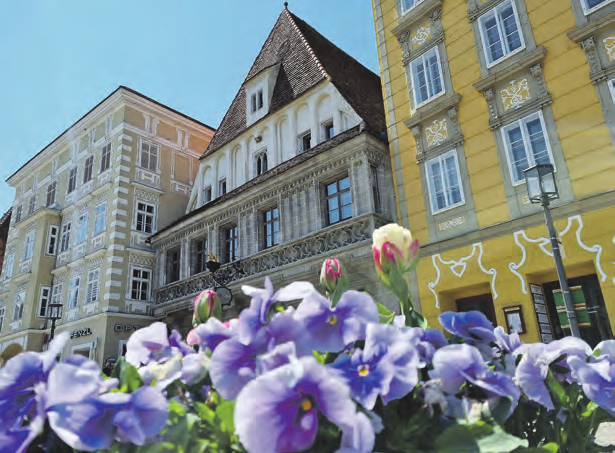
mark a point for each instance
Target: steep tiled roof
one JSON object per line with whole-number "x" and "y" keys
{"x": 306, "y": 58}
{"x": 6, "y": 218}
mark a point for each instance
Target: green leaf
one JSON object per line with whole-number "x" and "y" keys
{"x": 205, "y": 412}
{"x": 226, "y": 413}
{"x": 457, "y": 439}
{"x": 320, "y": 358}
{"x": 557, "y": 390}
{"x": 177, "y": 408}
{"x": 548, "y": 448}
{"x": 500, "y": 442}
{"x": 386, "y": 317}
{"x": 128, "y": 375}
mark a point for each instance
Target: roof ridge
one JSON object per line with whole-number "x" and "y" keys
{"x": 305, "y": 42}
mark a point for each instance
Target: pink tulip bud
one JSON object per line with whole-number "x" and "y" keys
{"x": 332, "y": 274}
{"x": 393, "y": 246}
{"x": 204, "y": 305}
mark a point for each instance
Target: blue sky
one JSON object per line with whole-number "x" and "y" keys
{"x": 59, "y": 58}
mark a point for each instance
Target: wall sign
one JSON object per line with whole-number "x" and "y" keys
{"x": 81, "y": 332}
{"x": 126, "y": 327}
{"x": 514, "y": 319}
{"x": 541, "y": 313}
{"x": 452, "y": 223}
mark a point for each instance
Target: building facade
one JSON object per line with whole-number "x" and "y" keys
{"x": 83, "y": 209}
{"x": 5, "y": 221}
{"x": 476, "y": 91}
{"x": 297, "y": 172}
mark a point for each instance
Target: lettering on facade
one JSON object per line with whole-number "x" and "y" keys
{"x": 125, "y": 327}
{"x": 452, "y": 223}
{"x": 81, "y": 332}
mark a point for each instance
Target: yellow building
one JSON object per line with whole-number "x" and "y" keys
{"x": 475, "y": 92}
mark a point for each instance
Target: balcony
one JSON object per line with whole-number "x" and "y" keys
{"x": 350, "y": 233}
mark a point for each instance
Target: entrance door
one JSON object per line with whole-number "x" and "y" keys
{"x": 589, "y": 307}
{"x": 482, "y": 303}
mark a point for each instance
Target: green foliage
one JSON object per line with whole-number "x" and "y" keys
{"x": 128, "y": 375}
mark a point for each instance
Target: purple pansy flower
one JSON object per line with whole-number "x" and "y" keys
{"x": 209, "y": 335}
{"x": 532, "y": 371}
{"x": 331, "y": 329}
{"x": 472, "y": 326}
{"x": 361, "y": 437}
{"x": 597, "y": 380}
{"x": 175, "y": 341}
{"x": 148, "y": 344}
{"x": 604, "y": 351}
{"x": 508, "y": 343}
{"x": 284, "y": 404}
{"x": 253, "y": 318}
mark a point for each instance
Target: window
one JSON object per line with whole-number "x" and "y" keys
{"x": 1, "y": 318}
{"x": 72, "y": 179}
{"x": 444, "y": 182}
{"x": 56, "y": 296}
{"x": 222, "y": 187}
{"x": 18, "y": 214}
{"x": 256, "y": 101}
{"x": 500, "y": 32}
{"x": 149, "y": 156}
{"x": 88, "y": 169}
{"x": 52, "y": 241}
{"x": 29, "y": 248}
{"x": 8, "y": 265}
{"x": 327, "y": 130}
{"x": 589, "y": 6}
{"x": 51, "y": 193}
{"x": 526, "y": 145}
{"x": 100, "y": 219}
{"x": 271, "y": 226}
{"x": 65, "y": 240}
{"x": 91, "y": 293}
{"x": 261, "y": 163}
{"x": 32, "y": 204}
{"x": 73, "y": 293}
{"x": 145, "y": 217}
{"x": 339, "y": 201}
{"x": 200, "y": 250}
{"x": 18, "y": 309}
{"x": 305, "y": 141}
{"x": 207, "y": 194}
{"x": 105, "y": 157}
{"x": 231, "y": 244}
{"x": 43, "y": 301}
{"x": 612, "y": 88}
{"x": 407, "y": 5}
{"x": 173, "y": 257}
{"x": 426, "y": 77}
{"x": 139, "y": 287}
{"x": 375, "y": 188}
{"x": 82, "y": 228}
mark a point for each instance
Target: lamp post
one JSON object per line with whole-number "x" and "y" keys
{"x": 54, "y": 313}
{"x": 223, "y": 277}
{"x": 541, "y": 188}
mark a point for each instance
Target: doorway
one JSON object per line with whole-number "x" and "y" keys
{"x": 482, "y": 303}
{"x": 589, "y": 307}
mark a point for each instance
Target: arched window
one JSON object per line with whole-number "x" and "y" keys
{"x": 261, "y": 163}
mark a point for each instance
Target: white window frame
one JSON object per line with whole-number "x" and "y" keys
{"x": 100, "y": 218}
{"x": 93, "y": 286}
{"x": 432, "y": 198}
{"x": 140, "y": 281}
{"x": 530, "y": 155}
{"x": 41, "y": 297}
{"x": 150, "y": 145}
{"x": 2, "y": 314}
{"x": 323, "y": 128}
{"x": 494, "y": 12}
{"x": 28, "y": 250}
{"x": 20, "y": 300}
{"x": 220, "y": 181}
{"x": 587, "y": 10}
{"x": 82, "y": 228}
{"x": 56, "y": 293}
{"x": 73, "y": 175}
{"x": 52, "y": 236}
{"x": 65, "y": 237}
{"x": 611, "y": 84}
{"x": 255, "y": 105}
{"x": 32, "y": 205}
{"x": 73, "y": 292}
{"x": 412, "y": 65}
{"x": 51, "y": 190}
{"x": 205, "y": 200}
{"x": 301, "y": 138}
{"x": 89, "y": 346}
{"x": 88, "y": 169}
{"x": 105, "y": 157}
{"x": 18, "y": 213}
{"x": 260, "y": 155}
{"x": 404, "y": 10}
{"x": 145, "y": 214}
{"x": 9, "y": 265}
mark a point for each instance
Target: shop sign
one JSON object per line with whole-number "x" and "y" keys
{"x": 542, "y": 314}
{"x": 81, "y": 332}
{"x": 126, "y": 327}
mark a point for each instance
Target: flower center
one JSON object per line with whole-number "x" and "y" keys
{"x": 363, "y": 370}
{"x": 332, "y": 319}
{"x": 306, "y": 404}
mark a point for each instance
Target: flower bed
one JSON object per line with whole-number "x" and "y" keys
{"x": 340, "y": 373}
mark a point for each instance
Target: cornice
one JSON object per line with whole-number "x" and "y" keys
{"x": 432, "y": 109}
{"x": 40, "y": 212}
{"x": 579, "y": 34}
{"x": 408, "y": 20}
{"x": 532, "y": 58}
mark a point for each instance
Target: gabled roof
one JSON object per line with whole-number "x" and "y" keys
{"x": 306, "y": 58}
{"x": 6, "y": 218}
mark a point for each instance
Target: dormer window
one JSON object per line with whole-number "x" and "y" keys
{"x": 327, "y": 130}
{"x": 305, "y": 141}
{"x": 207, "y": 194}
{"x": 257, "y": 101}
{"x": 261, "y": 163}
{"x": 221, "y": 187}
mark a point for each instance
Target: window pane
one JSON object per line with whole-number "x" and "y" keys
{"x": 592, "y": 3}
{"x": 452, "y": 180}
{"x": 334, "y": 216}
{"x": 509, "y": 24}
{"x": 346, "y": 212}
{"x": 538, "y": 142}
{"x": 344, "y": 183}
{"x": 438, "y": 187}
{"x": 493, "y": 39}
{"x": 434, "y": 76}
{"x": 345, "y": 198}
{"x": 333, "y": 203}
{"x": 518, "y": 154}
{"x": 331, "y": 188}
{"x": 420, "y": 81}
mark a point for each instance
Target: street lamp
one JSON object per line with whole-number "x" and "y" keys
{"x": 222, "y": 277}
{"x": 54, "y": 313}
{"x": 541, "y": 188}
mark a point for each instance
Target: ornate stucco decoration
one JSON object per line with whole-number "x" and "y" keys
{"x": 609, "y": 46}
{"x": 416, "y": 133}
{"x": 436, "y": 133}
{"x": 589, "y": 46}
{"x": 421, "y": 35}
{"x": 515, "y": 94}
